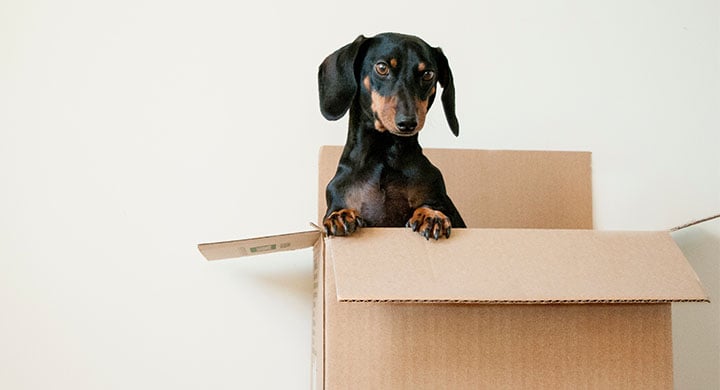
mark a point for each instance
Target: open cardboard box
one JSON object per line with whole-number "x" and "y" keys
{"x": 528, "y": 296}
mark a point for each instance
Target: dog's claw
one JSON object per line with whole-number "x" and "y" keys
{"x": 342, "y": 222}
{"x": 411, "y": 225}
{"x": 429, "y": 223}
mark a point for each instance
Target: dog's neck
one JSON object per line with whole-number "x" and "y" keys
{"x": 364, "y": 141}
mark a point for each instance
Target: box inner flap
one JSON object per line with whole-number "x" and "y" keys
{"x": 512, "y": 266}
{"x": 259, "y": 246}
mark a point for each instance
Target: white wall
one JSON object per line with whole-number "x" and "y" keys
{"x": 130, "y": 131}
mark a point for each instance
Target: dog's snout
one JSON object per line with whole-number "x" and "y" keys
{"x": 406, "y": 123}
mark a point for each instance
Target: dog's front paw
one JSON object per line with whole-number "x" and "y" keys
{"x": 430, "y": 223}
{"x": 343, "y": 222}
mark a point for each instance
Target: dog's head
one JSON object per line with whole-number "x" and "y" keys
{"x": 394, "y": 76}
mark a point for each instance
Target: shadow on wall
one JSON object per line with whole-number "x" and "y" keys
{"x": 287, "y": 274}
{"x": 696, "y": 328}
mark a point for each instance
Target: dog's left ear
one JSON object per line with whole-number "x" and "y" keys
{"x": 337, "y": 80}
{"x": 448, "y": 95}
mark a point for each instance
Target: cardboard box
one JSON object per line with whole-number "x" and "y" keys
{"x": 528, "y": 296}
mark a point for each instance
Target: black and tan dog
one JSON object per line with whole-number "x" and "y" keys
{"x": 388, "y": 82}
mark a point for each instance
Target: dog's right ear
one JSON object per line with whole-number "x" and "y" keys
{"x": 337, "y": 81}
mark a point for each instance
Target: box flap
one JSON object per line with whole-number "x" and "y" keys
{"x": 504, "y": 188}
{"x": 512, "y": 266}
{"x": 259, "y": 246}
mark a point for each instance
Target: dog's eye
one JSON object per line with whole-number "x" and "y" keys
{"x": 428, "y": 75}
{"x": 382, "y": 69}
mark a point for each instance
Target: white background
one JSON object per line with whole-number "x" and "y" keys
{"x": 132, "y": 130}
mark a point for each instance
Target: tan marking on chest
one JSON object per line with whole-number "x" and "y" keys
{"x": 363, "y": 194}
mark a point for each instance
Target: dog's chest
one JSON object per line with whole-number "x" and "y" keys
{"x": 386, "y": 200}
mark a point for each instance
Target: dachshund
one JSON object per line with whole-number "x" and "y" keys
{"x": 383, "y": 179}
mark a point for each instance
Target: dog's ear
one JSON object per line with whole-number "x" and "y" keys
{"x": 448, "y": 95}
{"x": 337, "y": 81}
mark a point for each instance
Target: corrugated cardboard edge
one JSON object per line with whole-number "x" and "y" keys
{"x": 525, "y": 302}
{"x": 317, "y": 374}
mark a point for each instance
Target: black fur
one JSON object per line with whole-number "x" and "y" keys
{"x": 387, "y": 82}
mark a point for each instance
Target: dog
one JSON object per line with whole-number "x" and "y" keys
{"x": 388, "y": 83}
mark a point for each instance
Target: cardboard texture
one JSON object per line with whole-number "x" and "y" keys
{"x": 517, "y": 300}
{"x": 512, "y": 266}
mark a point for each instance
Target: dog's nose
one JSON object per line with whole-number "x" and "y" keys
{"x": 406, "y": 124}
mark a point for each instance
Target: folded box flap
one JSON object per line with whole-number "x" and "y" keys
{"x": 259, "y": 246}
{"x": 512, "y": 266}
